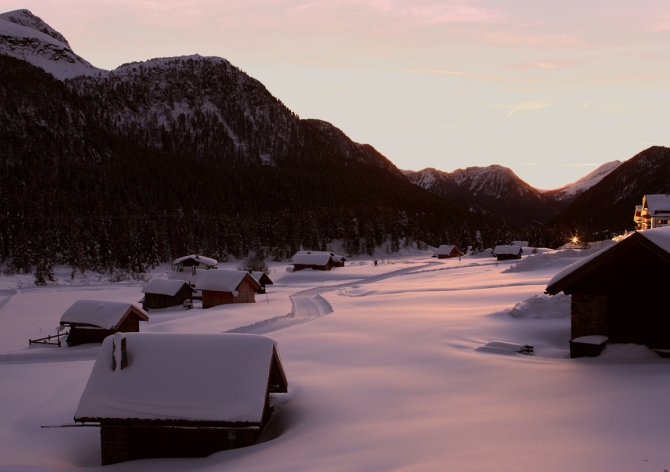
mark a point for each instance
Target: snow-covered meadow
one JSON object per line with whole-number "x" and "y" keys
{"x": 400, "y": 366}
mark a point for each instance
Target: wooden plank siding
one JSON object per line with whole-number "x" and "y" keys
{"x": 247, "y": 294}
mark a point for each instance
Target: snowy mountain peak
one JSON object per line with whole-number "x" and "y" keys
{"x": 26, "y": 37}
{"x": 575, "y": 189}
{"x": 26, "y": 18}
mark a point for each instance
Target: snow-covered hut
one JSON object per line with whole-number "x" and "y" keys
{"x": 91, "y": 321}
{"x": 180, "y": 395}
{"x": 446, "y": 251}
{"x": 194, "y": 260}
{"x": 163, "y": 293}
{"x": 618, "y": 293}
{"x": 338, "y": 260}
{"x": 504, "y": 253}
{"x": 220, "y": 287}
{"x": 313, "y": 261}
{"x": 262, "y": 279}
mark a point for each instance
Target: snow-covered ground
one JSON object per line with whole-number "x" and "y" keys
{"x": 402, "y": 366}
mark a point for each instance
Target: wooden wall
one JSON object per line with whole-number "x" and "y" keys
{"x": 246, "y": 294}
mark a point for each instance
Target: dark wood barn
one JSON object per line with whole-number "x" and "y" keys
{"x": 91, "y": 321}
{"x": 221, "y": 287}
{"x": 262, "y": 279}
{"x": 194, "y": 261}
{"x": 446, "y": 251}
{"x": 338, "y": 261}
{"x": 162, "y": 293}
{"x": 208, "y": 393}
{"x": 313, "y": 261}
{"x": 618, "y": 293}
{"x": 504, "y": 253}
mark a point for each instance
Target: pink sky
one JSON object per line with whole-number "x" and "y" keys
{"x": 549, "y": 89}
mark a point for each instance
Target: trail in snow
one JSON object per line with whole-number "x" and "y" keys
{"x": 309, "y": 305}
{"x": 5, "y": 295}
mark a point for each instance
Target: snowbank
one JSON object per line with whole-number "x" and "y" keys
{"x": 544, "y": 259}
{"x": 543, "y": 306}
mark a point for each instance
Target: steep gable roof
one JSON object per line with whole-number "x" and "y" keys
{"x": 656, "y": 240}
{"x": 219, "y": 280}
{"x": 190, "y": 377}
{"x": 165, "y": 287}
{"x": 103, "y": 314}
{"x": 198, "y": 258}
{"x": 312, "y": 259}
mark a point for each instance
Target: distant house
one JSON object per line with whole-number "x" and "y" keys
{"x": 91, "y": 321}
{"x": 504, "y": 253}
{"x": 338, "y": 261}
{"x": 313, "y": 261}
{"x": 262, "y": 279}
{"x": 180, "y": 395}
{"x": 162, "y": 293}
{"x": 520, "y": 243}
{"x": 617, "y": 294}
{"x": 194, "y": 261}
{"x": 221, "y": 287}
{"x": 654, "y": 212}
{"x": 446, "y": 251}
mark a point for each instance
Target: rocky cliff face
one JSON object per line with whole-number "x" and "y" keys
{"x": 25, "y": 36}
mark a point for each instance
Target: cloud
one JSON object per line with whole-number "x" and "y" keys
{"x": 529, "y": 106}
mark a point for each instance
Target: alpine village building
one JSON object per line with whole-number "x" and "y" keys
{"x": 164, "y": 293}
{"x": 446, "y": 251}
{"x": 653, "y": 213}
{"x": 91, "y": 321}
{"x": 221, "y": 287}
{"x": 180, "y": 395}
{"x": 617, "y": 294}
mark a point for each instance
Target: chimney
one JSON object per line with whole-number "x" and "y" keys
{"x": 119, "y": 352}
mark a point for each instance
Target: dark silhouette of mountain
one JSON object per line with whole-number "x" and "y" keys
{"x": 608, "y": 206}
{"x": 494, "y": 189}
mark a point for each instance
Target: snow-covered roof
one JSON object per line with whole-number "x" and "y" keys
{"x": 312, "y": 259}
{"x": 658, "y": 236}
{"x": 198, "y": 258}
{"x": 197, "y": 377}
{"x": 658, "y": 204}
{"x": 336, "y": 257}
{"x": 165, "y": 286}
{"x": 512, "y": 250}
{"x": 520, "y": 243}
{"x": 220, "y": 280}
{"x": 100, "y": 313}
{"x": 259, "y": 275}
{"x": 445, "y": 249}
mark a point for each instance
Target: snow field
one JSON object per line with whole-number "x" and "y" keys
{"x": 390, "y": 380}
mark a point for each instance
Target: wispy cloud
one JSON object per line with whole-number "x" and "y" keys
{"x": 529, "y": 106}
{"x": 580, "y": 109}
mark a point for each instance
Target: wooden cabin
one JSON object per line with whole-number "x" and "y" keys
{"x": 338, "y": 261}
{"x": 313, "y": 261}
{"x": 194, "y": 261}
{"x": 91, "y": 321}
{"x": 619, "y": 294}
{"x": 162, "y": 293}
{"x": 221, "y": 287}
{"x": 504, "y": 253}
{"x": 180, "y": 395}
{"x": 262, "y": 279}
{"x": 446, "y": 251}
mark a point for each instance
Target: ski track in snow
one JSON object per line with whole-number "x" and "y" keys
{"x": 309, "y": 305}
{"x": 6, "y": 294}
